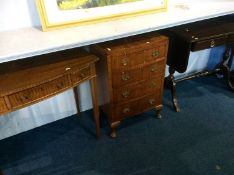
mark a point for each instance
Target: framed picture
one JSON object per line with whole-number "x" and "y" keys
{"x": 56, "y": 14}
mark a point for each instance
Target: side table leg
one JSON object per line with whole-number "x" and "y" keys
{"x": 226, "y": 69}
{"x": 158, "y": 111}
{"x": 76, "y": 95}
{"x": 93, "y": 85}
{"x": 172, "y": 83}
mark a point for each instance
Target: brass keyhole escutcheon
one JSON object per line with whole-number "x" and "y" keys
{"x": 125, "y": 61}
{"x": 126, "y": 110}
{"x": 155, "y": 53}
{"x": 212, "y": 43}
{"x": 125, "y": 94}
{"x": 125, "y": 77}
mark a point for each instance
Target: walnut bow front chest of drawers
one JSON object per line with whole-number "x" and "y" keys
{"x": 131, "y": 75}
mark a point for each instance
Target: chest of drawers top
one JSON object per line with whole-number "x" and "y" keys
{"x": 130, "y": 45}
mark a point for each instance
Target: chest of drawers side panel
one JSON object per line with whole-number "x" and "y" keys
{"x": 104, "y": 77}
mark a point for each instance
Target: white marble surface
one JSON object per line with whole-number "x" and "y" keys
{"x": 26, "y": 42}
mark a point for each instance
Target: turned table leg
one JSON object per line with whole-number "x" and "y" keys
{"x": 76, "y": 96}
{"x": 226, "y": 67}
{"x": 172, "y": 83}
{"x": 93, "y": 85}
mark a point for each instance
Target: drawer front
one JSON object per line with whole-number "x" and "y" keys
{"x": 3, "y": 107}
{"x": 39, "y": 92}
{"x": 127, "y": 61}
{"x": 156, "y": 53}
{"x": 155, "y": 69}
{"x": 200, "y": 45}
{"x": 125, "y": 77}
{"x": 130, "y": 92}
{"x": 136, "y": 107}
{"x": 82, "y": 74}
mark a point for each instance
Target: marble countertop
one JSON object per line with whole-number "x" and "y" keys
{"x": 27, "y": 42}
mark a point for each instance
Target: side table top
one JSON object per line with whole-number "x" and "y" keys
{"x": 22, "y": 74}
{"x": 204, "y": 30}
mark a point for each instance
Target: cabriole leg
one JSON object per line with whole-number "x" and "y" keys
{"x": 113, "y": 129}
{"x": 158, "y": 111}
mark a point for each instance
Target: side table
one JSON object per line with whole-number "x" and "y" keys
{"x": 28, "y": 81}
{"x": 198, "y": 36}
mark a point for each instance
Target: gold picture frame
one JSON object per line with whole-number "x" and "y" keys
{"x": 56, "y": 14}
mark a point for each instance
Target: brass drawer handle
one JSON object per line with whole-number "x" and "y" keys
{"x": 153, "y": 68}
{"x": 155, "y": 53}
{"x": 151, "y": 101}
{"x": 212, "y": 43}
{"x": 125, "y": 61}
{"x": 125, "y": 94}
{"x": 125, "y": 77}
{"x": 126, "y": 110}
{"x": 153, "y": 84}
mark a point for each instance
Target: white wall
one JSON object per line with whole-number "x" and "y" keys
{"x": 16, "y": 14}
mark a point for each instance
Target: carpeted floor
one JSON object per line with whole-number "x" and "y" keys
{"x": 197, "y": 141}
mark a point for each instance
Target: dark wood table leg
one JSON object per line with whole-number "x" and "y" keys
{"x": 226, "y": 67}
{"x": 230, "y": 63}
{"x": 172, "y": 83}
{"x": 93, "y": 85}
{"x": 76, "y": 95}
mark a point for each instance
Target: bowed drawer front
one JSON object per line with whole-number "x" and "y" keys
{"x": 41, "y": 91}
{"x": 131, "y": 71}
